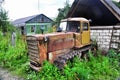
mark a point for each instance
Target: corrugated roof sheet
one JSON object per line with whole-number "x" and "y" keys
{"x": 21, "y": 21}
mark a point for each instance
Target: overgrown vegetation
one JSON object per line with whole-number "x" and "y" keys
{"x": 95, "y": 68}
{"x": 17, "y": 61}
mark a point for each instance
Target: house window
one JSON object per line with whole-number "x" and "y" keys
{"x": 32, "y": 28}
{"x": 22, "y": 30}
{"x": 42, "y": 27}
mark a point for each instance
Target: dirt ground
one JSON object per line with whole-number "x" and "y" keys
{"x": 6, "y": 75}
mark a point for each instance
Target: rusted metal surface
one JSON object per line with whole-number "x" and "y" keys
{"x": 78, "y": 39}
{"x": 33, "y": 51}
{"x": 50, "y": 49}
{"x": 39, "y": 50}
{"x": 42, "y": 51}
{"x": 60, "y": 61}
{"x": 50, "y": 35}
{"x": 60, "y": 44}
{"x": 53, "y": 55}
{"x": 60, "y": 41}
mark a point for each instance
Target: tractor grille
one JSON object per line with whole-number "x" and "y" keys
{"x": 33, "y": 51}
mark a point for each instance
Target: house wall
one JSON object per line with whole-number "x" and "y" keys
{"x": 102, "y": 35}
{"x": 37, "y": 27}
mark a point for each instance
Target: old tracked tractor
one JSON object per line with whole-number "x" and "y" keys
{"x": 60, "y": 47}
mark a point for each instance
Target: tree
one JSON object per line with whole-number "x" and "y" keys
{"x": 62, "y": 13}
{"x": 3, "y": 20}
{"x": 117, "y": 3}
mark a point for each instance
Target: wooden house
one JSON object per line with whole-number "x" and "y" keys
{"x": 33, "y": 24}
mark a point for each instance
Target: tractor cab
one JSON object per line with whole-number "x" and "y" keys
{"x": 59, "y": 47}
{"x": 74, "y": 24}
{"x": 80, "y": 27}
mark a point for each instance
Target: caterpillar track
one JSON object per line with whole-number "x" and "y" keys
{"x": 61, "y": 61}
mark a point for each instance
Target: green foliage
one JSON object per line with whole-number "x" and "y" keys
{"x": 95, "y": 68}
{"x": 5, "y": 25}
{"x": 50, "y": 30}
{"x": 117, "y": 3}
{"x": 11, "y": 57}
{"x": 101, "y": 66}
{"x": 62, "y": 13}
{"x": 3, "y": 20}
{"x": 10, "y": 27}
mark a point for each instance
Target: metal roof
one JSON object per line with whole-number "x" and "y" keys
{"x": 21, "y": 21}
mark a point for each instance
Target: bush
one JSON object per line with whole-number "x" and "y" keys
{"x": 117, "y": 3}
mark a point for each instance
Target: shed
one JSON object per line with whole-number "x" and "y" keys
{"x": 101, "y": 12}
{"x": 33, "y": 24}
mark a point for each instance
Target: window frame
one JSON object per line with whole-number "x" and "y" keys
{"x": 85, "y": 27}
{"x": 33, "y": 28}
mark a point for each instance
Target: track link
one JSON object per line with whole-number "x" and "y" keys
{"x": 62, "y": 60}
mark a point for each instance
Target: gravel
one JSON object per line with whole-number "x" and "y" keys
{"x": 6, "y": 75}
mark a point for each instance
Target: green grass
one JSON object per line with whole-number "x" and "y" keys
{"x": 96, "y": 68}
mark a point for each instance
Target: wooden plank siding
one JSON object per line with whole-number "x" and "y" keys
{"x": 37, "y": 27}
{"x": 37, "y": 22}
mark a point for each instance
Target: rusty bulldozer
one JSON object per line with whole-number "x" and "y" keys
{"x": 60, "y": 47}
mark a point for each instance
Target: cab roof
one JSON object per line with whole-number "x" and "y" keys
{"x": 75, "y": 19}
